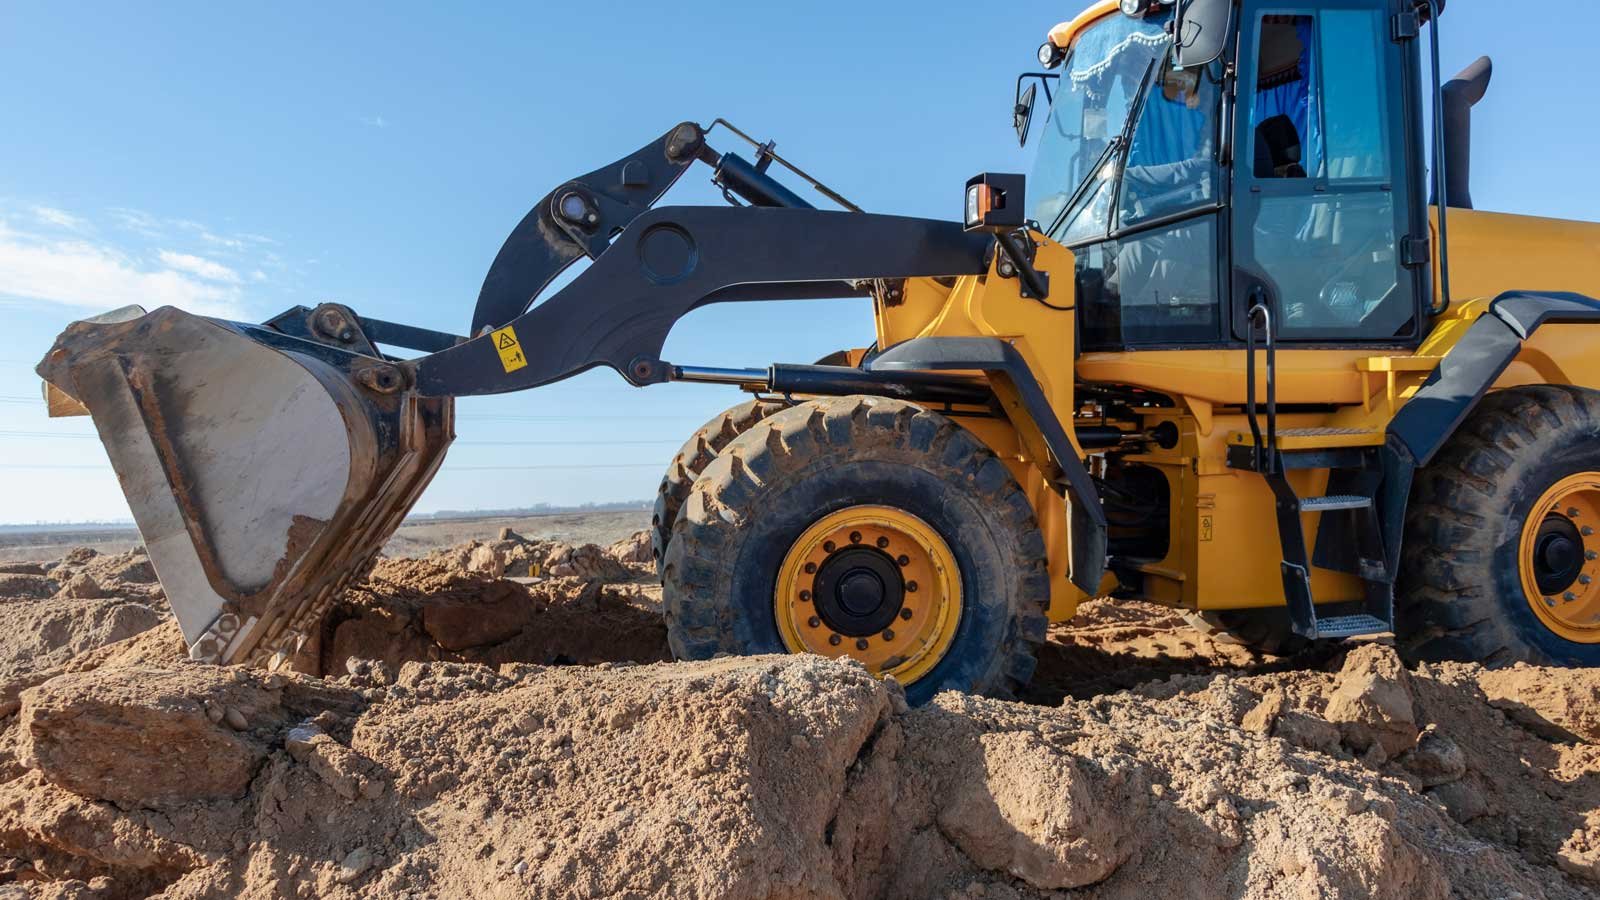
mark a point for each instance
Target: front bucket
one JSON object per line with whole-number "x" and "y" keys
{"x": 265, "y": 471}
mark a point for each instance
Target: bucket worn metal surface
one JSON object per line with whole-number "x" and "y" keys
{"x": 264, "y": 471}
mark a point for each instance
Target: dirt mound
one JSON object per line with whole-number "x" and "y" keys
{"x": 785, "y": 777}
{"x": 441, "y": 608}
{"x": 440, "y": 757}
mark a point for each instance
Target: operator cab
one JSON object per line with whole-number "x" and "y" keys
{"x": 1282, "y": 172}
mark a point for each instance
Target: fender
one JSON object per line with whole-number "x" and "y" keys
{"x": 1421, "y": 427}
{"x": 1006, "y": 368}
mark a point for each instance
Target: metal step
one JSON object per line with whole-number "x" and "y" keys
{"x": 1336, "y": 502}
{"x": 1291, "y": 440}
{"x": 1350, "y": 626}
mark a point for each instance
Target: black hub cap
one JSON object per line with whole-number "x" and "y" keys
{"x": 1558, "y": 555}
{"x": 859, "y": 591}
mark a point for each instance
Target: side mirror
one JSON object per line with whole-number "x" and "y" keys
{"x": 1203, "y": 28}
{"x": 1022, "y": 113}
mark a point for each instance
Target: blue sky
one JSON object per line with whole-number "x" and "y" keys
{"x": 238, "y": 160}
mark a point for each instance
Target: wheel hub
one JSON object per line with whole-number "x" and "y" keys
{"x": 871, "y": 583}
{"x": 1560, "y": 558}
{"x": 859, "y": 592}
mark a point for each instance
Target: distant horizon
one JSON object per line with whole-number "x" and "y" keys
{"x": 538, "y": 509}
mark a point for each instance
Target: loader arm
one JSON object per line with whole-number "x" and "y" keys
{"x": 673, "y": 260}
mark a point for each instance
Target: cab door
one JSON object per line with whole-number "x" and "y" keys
{"x": 1328, "y": 204}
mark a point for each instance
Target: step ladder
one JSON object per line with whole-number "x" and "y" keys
{"x": 1354, "y": 459}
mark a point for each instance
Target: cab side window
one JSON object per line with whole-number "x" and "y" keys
{"x": 1317, "y": 219}
{"x": 1172, "y": 163}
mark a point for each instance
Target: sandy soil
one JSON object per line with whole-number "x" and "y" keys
{"x": 463, "y": 728}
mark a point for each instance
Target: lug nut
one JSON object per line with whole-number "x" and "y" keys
{"x": 829, "y": 546}
{"x": 811, "y": 568}
{"x": 1587, "y": 531}
{"x": 883, "y": 542}
{"x": 834, "y": 639}
{"x": 888, "y": 634}
{"x": 814, "y": 622}
{"x": 855, "y": 537}
{"x": 911, "y": 587}
{"x": 1572, "y": 512}
{"x": 1549, "y": 601}
{"x": 1584, "y": 579}
{"x": 905, "y": 614}
{"x": 903, "y": 560}
{"x": 1591, "y": 556}
{"x": 861, "y": 644}
{"x": 1569, "y": 596}
{"x": 805, "y": 596}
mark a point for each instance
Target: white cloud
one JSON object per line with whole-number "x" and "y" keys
{"x": 97, "y": 277}
{"x": 52, "y": 216}
{"x": 374, "y": 121}
{"x": 220, "y": 241}
{"x": 198, "y": 266}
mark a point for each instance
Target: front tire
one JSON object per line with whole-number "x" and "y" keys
{"x": 822, "y": 527}
{"x": 1503, "y": 536}
{"x": 692, "y": 458}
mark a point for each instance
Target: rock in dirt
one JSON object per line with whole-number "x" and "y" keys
{"x": 143, "y": 736}
{"x": 1580, "y": 855}
{"x": 81, "y": 586}
{"x": 1436, "y": 759}
{"x": 587, "y": 562}
{"x": 1372, "y": 704}
{"x": 635, "y": 549}
{"x": 1042, "y": 815}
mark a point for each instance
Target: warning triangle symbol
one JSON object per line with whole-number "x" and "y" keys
{"x": 507, "y": 341}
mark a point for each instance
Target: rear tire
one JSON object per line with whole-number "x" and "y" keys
{"x": 758, "y": 504}
{"x": 1475, "y": 584}
{"x": 697, "y": 453}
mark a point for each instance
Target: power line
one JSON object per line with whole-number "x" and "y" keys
{"x": 591, "y": 443}
{"x": 447, "y": 468}
{"x": 490, "y": 417}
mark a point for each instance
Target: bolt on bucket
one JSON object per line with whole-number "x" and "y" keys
{"x": 264, "y": 471}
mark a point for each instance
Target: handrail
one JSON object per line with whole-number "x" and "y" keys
{"x": 1266, "y": 451}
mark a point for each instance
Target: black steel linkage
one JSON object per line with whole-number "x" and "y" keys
{"x": 579, "y": 218}
{"x": 673, "y": 260}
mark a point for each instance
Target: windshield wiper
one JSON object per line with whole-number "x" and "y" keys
{"x": 1089, "y": 181}
{"x": 1135, "y": 109}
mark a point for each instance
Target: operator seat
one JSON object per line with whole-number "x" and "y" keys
{"x": 1278, "y": 149}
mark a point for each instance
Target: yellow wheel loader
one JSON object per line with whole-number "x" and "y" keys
{"x": 1219, "y": 351}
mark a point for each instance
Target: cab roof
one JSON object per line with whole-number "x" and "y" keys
{"x": 1062, "y": 35}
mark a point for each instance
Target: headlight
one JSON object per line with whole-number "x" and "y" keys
{"x": 1049, "y": 55}
{"x": 1135, "y": 7}
{"x": 975, "y": 197}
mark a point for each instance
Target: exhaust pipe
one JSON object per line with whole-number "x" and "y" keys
{"x": 1457, "y": 98}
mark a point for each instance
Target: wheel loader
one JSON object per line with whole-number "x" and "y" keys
{"x": 1220, "y": 351}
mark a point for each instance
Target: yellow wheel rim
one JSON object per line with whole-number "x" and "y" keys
{"x": 874, "y": 584}
{"x": 1560, "y": 558}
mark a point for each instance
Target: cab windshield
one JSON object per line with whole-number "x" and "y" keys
{"x": 1100, "y": 81}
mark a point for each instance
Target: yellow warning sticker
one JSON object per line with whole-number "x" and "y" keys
{"x": 509, "y": 348}
{"x": 1208, "y": 531}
